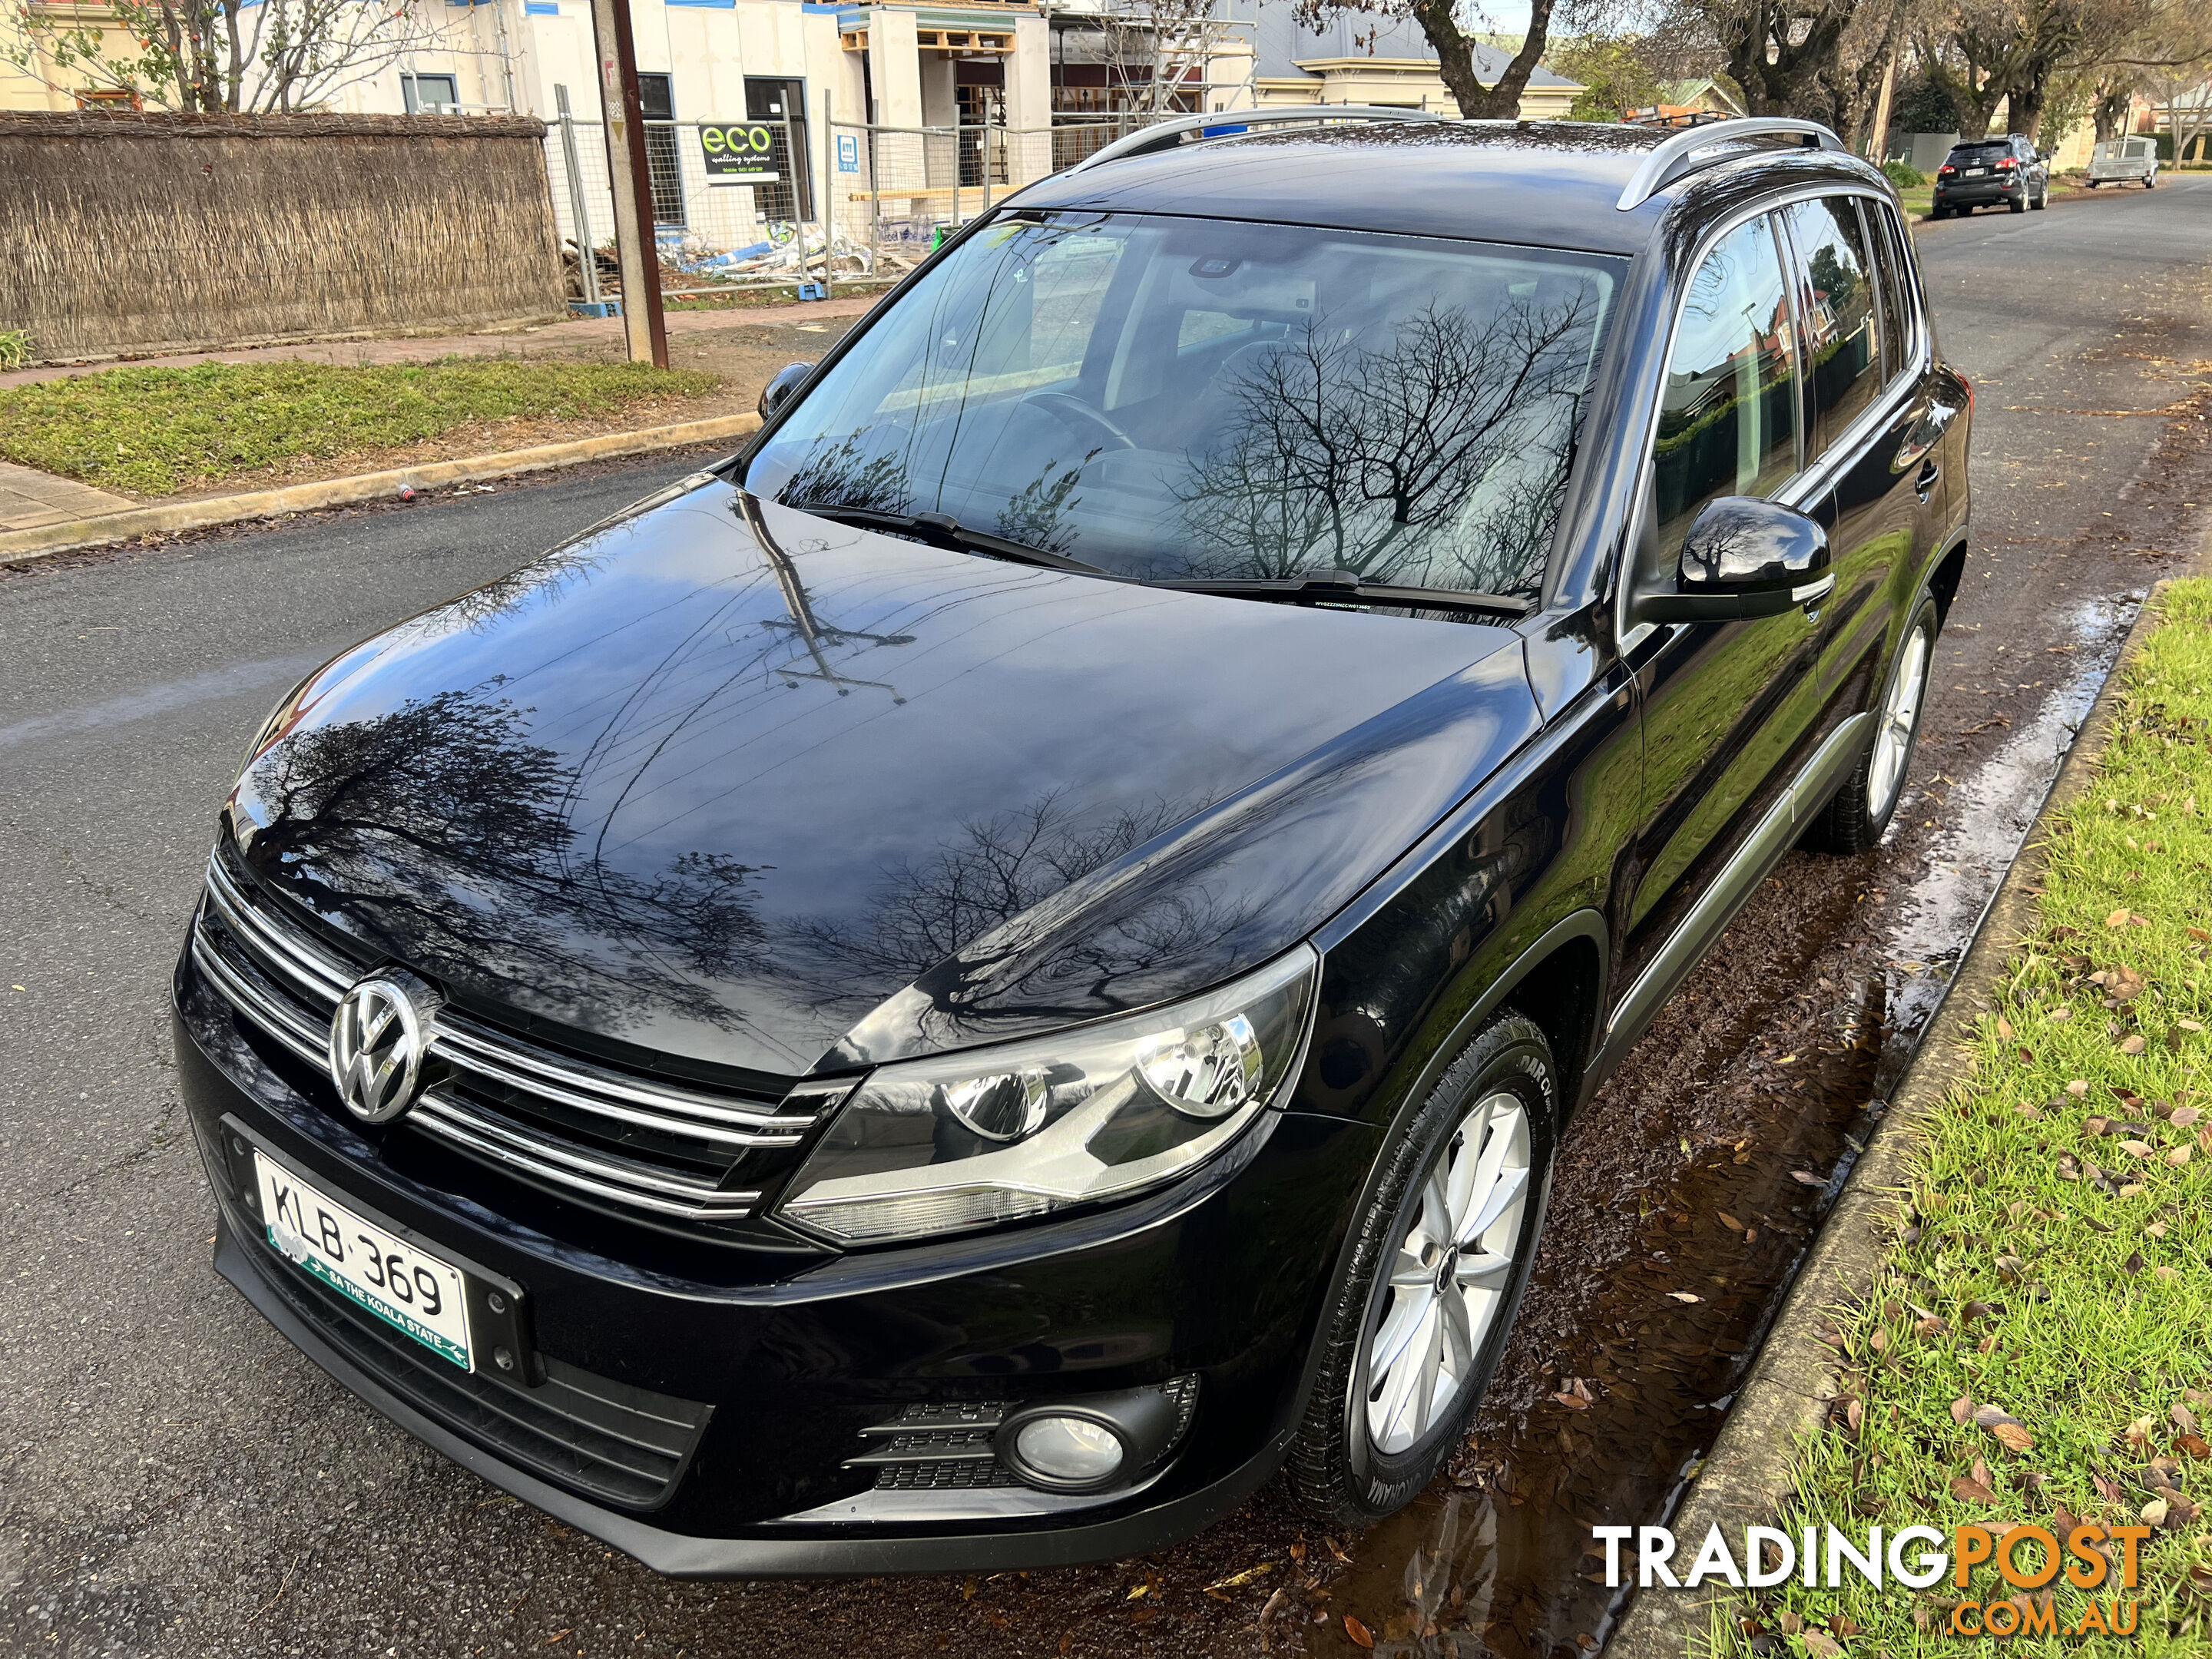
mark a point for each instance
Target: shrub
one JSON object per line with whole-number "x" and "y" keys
{"x": 1905, "y": 175}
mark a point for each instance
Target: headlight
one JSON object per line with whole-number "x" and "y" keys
{"x": 1102, "y": 1111}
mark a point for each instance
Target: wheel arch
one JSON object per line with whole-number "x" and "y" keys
{"x": 1559, "y": 984}
{"x": 1944, "y": 576}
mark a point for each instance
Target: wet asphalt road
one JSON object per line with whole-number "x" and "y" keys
{"x": 174, "y": 1480}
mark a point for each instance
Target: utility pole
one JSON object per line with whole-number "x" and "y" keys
{"x": 1878, "y": 145}
{"x": 630, "y": 179}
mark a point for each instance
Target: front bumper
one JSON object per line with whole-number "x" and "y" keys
{"x": 750, "y": 1380}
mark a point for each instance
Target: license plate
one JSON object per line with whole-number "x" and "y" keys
{"x": 406, "y": 1287}
{"x": 1976, "y": 173}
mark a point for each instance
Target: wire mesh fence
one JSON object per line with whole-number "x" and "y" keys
{"x": 776, "y": 201}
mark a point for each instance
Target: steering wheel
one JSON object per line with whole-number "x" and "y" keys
{"x": 1074, "y": 412}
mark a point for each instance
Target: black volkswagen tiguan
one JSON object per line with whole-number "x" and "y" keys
{"x": 966, "y": 988}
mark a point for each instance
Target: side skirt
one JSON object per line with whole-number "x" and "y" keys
{"x": 1772, "y": 836}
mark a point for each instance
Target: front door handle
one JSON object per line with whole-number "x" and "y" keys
{"x": 1925, "y": 485}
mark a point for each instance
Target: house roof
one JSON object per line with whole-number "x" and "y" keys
{"x": 1688, "y": 92}
{"x": 1280, "y": 45}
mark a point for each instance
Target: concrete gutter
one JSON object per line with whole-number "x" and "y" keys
{"x": 44, "y": 541}
{"x": 1746, "y": 1481}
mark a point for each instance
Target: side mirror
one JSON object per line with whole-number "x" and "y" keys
{"x": 777, "y": 392}
{"x": 1743, "y": 557}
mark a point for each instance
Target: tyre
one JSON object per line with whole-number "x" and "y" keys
{"x": 1855, "y": 818}
{"x": 2019, "y": 206}
{"x": 2042, "y": 199}
{"x": 1441, "y": 1253}
{"x": 2092, "y": 183}
{"x": 1939, "y": 213}
{"x": 2150, "y": 181}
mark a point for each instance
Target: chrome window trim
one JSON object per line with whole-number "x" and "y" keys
{"x": 1812, "y": 477}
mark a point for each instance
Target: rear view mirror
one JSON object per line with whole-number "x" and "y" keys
{"x": 1743, "y": 557}
{"x": 777, "y": 392}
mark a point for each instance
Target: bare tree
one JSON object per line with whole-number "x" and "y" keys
{"x": 1453, "y": 30}
{"x": 2022, "y": 53}
{"x": 217, "y": 56}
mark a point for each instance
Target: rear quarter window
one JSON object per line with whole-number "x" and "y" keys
{"x": 1835, "y": 285}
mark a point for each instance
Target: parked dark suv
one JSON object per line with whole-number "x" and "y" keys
{"x": 1991, "y": 173}
{"x": 964, "y": 989}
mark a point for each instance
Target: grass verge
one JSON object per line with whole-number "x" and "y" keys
{"x": 158, "y": 431}
{"x": 2038, "y": 1345}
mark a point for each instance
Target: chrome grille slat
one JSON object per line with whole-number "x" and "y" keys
{"x": 291, "y": 981}
{"x": 300, "y": 958}
{"x": 286, "y": 1024}
{"x": 465, "y": 1049}
{"x": 451, "y": 1120}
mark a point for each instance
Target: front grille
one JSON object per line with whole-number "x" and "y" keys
{"x": 599, "y": 1437}
{"x": 940, "y": 1447}
{"x": 617, "y": 1140}
{"x": 937, "y": 1448}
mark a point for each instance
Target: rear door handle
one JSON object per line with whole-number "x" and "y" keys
{"x": 1925, "y": 485}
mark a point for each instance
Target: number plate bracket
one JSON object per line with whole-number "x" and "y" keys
{"x": 499, "y": 1309}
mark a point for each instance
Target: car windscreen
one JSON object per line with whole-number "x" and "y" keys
{"x": 1170, "y": 399}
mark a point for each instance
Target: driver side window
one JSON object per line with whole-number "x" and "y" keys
{"x": 1728, "y": 415}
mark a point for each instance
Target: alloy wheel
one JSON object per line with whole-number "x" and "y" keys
{"x": 1448, "y": 1275}
{"x": 1900, "y": 715}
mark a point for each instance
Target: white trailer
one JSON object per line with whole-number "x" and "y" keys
{"x": 2130, "y": 161}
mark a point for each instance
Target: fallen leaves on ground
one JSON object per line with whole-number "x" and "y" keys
{"x": 1236, "y": 1580}
{"x": 1974, "y": 1487}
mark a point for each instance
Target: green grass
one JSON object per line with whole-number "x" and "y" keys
{"x": 2055, "y": 1262}
{"x": 156, "y": 431}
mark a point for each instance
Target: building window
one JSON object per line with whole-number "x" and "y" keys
{"x": 108, "y": 99}
{"x": 982, "y": 123}
{"x": 429, "y": 95}
{"x": 782, "y": 103}
{"x": 656, "y": 97}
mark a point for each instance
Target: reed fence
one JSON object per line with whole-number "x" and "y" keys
{"x": 129, "y": 233}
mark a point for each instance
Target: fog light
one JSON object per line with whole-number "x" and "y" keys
{"x": 1054, "y": 1450}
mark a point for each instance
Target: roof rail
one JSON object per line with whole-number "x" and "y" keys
{"x": 1167, "y": 134}
{"x": 1671, "y": 160}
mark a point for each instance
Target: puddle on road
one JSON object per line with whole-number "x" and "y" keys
{"x": 1495, "y": 1559}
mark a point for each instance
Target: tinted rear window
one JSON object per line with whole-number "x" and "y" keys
{"x": 1979, "y": 154}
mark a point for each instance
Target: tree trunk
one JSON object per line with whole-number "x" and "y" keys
{"x": 2112, "y": 111}
{"x": 1455, "y": 53}
{"x": 1503, "y": 102}
{"x": 1882, "y": 103}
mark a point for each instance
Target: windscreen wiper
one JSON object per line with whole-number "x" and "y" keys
{"x": 943, "y": 530}
{"x": 1342, "y": 587}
